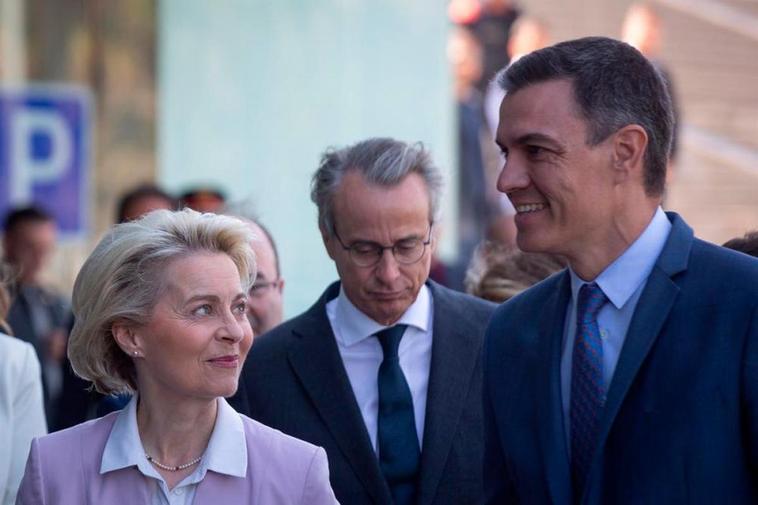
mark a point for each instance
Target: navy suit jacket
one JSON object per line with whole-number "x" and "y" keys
{"x": 680, "y": 423}
{"x": 294, "y": 380}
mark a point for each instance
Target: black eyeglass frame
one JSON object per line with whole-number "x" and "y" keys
{"x": 379, "y": 249}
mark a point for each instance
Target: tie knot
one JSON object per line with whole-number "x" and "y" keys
{"x": 591, "y": 300}
{"x": 390, "y": 339}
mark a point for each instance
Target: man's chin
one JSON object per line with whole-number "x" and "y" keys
{"x": 387, "y": 312}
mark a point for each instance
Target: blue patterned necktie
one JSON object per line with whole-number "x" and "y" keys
{"x": 397, "y": 441}
{"x": 587, "y": 390}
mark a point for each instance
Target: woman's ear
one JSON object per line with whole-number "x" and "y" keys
{"x": 127, "y": 338}
{"x": 629, "y": 146}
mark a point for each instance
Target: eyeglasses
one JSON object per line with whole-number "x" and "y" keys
{"x": 368, "y": 254}
{"x": 260, "y": 287}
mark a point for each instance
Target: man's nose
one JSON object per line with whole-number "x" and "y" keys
{"x": 387, "y": 269}
{"x": 513, "y": 176}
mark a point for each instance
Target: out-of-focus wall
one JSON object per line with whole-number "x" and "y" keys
{"x": 251, "y": 92}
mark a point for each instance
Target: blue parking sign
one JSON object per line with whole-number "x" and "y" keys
{"x": 45, "y": 152}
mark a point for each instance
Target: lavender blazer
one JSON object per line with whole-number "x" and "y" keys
{"x": 64, "y": 468}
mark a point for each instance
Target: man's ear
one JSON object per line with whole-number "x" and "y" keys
{"x": 436, "y": 232}
{"x": 127, "y": 338}
{"x": 629, "y": 146}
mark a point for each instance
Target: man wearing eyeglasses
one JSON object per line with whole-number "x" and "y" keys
{"x": 264, "y": 303}
{"x": 383, "y": 371}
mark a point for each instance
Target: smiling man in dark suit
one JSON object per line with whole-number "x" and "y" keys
{"x": 632, "y": 376}
{"x": 384, "y": 370}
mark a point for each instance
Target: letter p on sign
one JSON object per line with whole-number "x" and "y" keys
{"x": 44, "y": 152}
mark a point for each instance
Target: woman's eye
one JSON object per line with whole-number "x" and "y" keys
{"x": 203, "y": 310}
{"x": 240, "y": 308}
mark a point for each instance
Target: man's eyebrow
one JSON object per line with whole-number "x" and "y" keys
{"x": 540, "y": 138}
{"x": 412, "y": 236}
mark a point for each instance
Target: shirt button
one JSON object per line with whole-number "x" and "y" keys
{"x": 178, "y": 491}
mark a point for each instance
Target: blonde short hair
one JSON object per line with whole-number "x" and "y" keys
{"x": 498, "y": 274}
{"x": 123, "y": 278}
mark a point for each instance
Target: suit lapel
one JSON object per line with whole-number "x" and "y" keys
{"x": 550, "y": 421}
{"x": 454, "y": 356}
{"x": 653, "y": 308}
{"x": 316, "y": 361}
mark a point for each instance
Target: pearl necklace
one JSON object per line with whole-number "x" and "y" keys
{"x": 172, "y": 468}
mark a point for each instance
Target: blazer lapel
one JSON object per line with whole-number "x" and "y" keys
{"x": 316, "y": 361}
{"x": 652, "y": 311}
{"x": 454, "y": 357}
{"x": 550, "y": 423}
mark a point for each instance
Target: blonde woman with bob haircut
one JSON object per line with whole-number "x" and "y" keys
{"x": 160, "y": 310}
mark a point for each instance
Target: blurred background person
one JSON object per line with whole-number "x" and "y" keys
{"x": 265, "y": 300}
{"x": 498, "y": 274}
{"x": 142, "y": 199}
{"x": 475, "y": 196}
{"x": 22, "y": 414}
{"x": 265, "y": 303}
{"x": 747, "y": 244}
{"x": 642, "y": 29}
{"x": 203, "y": 199}
{"x": 491, "y": 22}
{"x": 528, "y": 34}
{"x": 37, "y": 314}
{"x": 160, "y": 309}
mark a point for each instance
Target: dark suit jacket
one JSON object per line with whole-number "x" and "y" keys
{"x": 294, "y": 380}
{"x": 680, "y": 423}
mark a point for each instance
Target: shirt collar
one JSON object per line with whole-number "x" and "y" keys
{"x": 124, "y": 447}
{"x": 621, "y": 279}
{"x": 227, "y": 448}
{"x": 226, "y": 452}
{"x": 357, "y": 326}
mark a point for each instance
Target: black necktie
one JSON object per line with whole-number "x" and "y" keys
{"x": 399, "y": 451}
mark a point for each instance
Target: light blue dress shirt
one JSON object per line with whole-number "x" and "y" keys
{"x": 362, "y": 354}
{"x": 622, "y": 282}
{"x": 226, "y": 453}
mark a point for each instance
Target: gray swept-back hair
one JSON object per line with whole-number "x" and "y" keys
{"x": 381, "y": 161}
{"x": 614, "y": 85}
{"x": 125, "y": 275}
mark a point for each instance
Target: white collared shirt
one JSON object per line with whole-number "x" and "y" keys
{"x": 226, "y": 453}
{"x": 622, "y": 282}
{"x": 362, "y": 354}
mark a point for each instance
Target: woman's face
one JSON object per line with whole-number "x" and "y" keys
{"x": 199, "y": 334}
